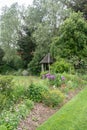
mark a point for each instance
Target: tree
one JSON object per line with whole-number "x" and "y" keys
{"x": 46, "y": 16}
{"x": 72, "y": 39}
{"x": 26, "y": 47}
{"x": 78, "y": 5}
{"x": 10, "y": 24}
{"x": 1, "y": 55}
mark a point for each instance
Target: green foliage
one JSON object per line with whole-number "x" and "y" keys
{"x": 6, "y": 90}
{"x": 6, "y": 69}
{"x": 19, "y": 93}
{"x": 2, "y": 127}
{"x": 53, "y": 98}
{"x": 17, "y": 63}
{"x": 26, "y": 47}
{"x": 30, "y": 32}
{"x": 12, "y": 66}
{"x": 43, "y": 74}
{"x": 72, "y": 116}
{"x": 12, "y": 117}
{"x": 78, "y": 5}
{"x": 72, "y": 40}
{"x": 10, "y": 22}
{"x": 46, "y": 23}
{"x": 34, "y": 92}
{"x": 1, "y": 55}
{"x": 61, "y": 66}
{"x": 22, "y": 110}
{"x": 29, "y": 103}
{"x": 39, "y": 93}
{"x": 57, "y": 81}
{"x": 17, "y": 73}
{"x": 3, "y": 101}
{"x": 74, "y": 81}
{"x": 6, "y": 85}
{"x": 34, "y": 66}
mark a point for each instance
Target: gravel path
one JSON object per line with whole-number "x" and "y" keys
{"x": 37, "y": 116}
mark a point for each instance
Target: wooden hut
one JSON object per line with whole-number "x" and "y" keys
{"x": 46, "y": 62}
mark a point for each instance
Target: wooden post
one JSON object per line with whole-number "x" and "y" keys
{"x": 49, "y": 62}
{"x": 42, "y": 67}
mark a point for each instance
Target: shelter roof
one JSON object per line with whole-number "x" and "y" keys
{"x": 47, "y": 59}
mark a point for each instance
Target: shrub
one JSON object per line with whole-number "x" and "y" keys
{"x": 3, "y": 101}
{"x": 12, "y": 117}
{"x": 53, "y": 98}
{"x": 6, "y": 85}
{"x": 18, "y": 72}
{"x": 56, "y": 79}
{"x": 34, "y": 92}
{"x": 43, "y": 74}
{"x": 2, "y": 127}
{"x": 18, "y": 93}
{"x": 6, "y": 69}
{"x": 74, "y": 81}
{"x": 29, "y": 103}
{"x": 22, "y": 110}
{"x": 61, "y": 66}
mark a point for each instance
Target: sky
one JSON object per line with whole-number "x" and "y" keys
{"x": 9, "y": 2}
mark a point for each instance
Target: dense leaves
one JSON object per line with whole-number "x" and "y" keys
{"x": 27, "y": 34}
{"x": 72, "y": 39}
{"x": 1, "y": 55}
{"x": 26, "y": 47}
{"x": 79, "y": 5}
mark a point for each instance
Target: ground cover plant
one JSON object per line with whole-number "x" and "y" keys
{"x": 11, "y": 118}
{"x": 6, "y": 84}
{"x": 14, "y": 105}
{"x": 70, "y": 117}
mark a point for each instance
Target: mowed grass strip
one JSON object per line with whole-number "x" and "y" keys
{"x": 72, "y": 116}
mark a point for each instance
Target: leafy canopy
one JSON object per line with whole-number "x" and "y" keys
{"x": 72, "y": 39}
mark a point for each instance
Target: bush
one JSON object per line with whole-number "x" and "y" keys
{"x": 6, "y": 69}
{"x": 29, "y": 103}
{"x": 2, "y": 127}
{"x": 61, "y": 66}
{"x": 6, "y": 85}
{"x": 53, "y": 98}
{"x": 3, "y": 101}
{"x": 56, "y": 79}
{"x": 34, "y": 67}
{"x": 18, "y": 93}
{"x": 43, "y": 74}
{"x": 12, "y": 117}
{"x": 18, "y": 72}
{"x": 34, "y": 92}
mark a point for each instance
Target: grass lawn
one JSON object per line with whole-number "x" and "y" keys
{"x": 72, "y": 116}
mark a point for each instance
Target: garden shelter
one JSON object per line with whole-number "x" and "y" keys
{"x": 46, "y": 62}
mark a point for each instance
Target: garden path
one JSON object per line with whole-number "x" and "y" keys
{"x": 41, "y": 113}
